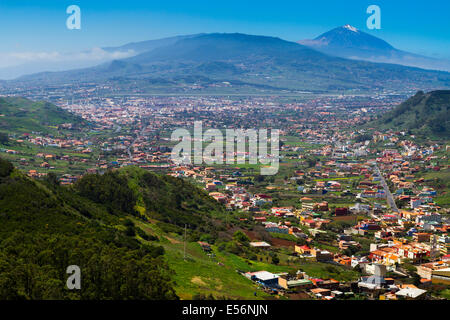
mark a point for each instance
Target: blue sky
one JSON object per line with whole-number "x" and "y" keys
{"x": 32, "y": 25}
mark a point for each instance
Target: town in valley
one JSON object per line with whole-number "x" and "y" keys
{"x": 354, "y": 212}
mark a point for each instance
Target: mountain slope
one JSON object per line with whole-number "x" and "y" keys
{"x": 349, "y": 42}
{"x": 167, "y": 199}
{"x": 216, "y": 47}
{"x": 85, "y": 59}
{"x": 23, "y": 115}
{"x": 45, "y": 227}
{"x": 348, "y": 37}
{"x": 249, "y": 63}
{"x": 145, "y": 46}
{"x": 424, "y": 113}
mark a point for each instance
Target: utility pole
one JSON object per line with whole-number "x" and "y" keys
{"x": 184, "y": 242}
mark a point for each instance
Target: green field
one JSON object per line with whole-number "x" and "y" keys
{"x": 200, "y": 274}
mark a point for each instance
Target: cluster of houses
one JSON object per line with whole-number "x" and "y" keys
{"x": 285, "y": 283}
{"x": 377, "y": 285}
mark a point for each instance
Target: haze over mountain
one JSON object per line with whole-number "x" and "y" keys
{"x": 14, "y": 65}
{"x": 346, "y": 42}
{"x": 143, "y": 46}
{"x": 246, "y": 62}
{"x": 351, "y": 43}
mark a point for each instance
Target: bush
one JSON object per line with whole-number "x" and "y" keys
{"x": 275, "y": 259}
{"x": 233, "y": 247}
{"x": 241, "y": 237}
{"x": 6, "y": 168}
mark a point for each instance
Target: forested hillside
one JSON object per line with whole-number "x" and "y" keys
{"x": 45, "y": 227}
{"x": 424, "y": 113}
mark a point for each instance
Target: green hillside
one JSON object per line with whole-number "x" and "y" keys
{"x": 425, "y": 113}
{"x": 124, "y": 229}
{"x": 21, "y": 115}
{"x": 45, "y": 227}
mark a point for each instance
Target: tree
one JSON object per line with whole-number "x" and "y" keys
{"x": 311, "y": 162}
{"x": 5, "y": 168}
{"x": 241, "y": 237}
{"x": 363, "y": 137}
{"x": 275, "y": 259}
{"x": 259, "y": 178}
{"x": 130, "y": 230}
{"x": 52, "y": 179}
{"x": 4, "y": 138}
{"x": 358, "y": 268}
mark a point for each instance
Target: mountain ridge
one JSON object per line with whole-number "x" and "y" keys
{"x": 253, "y": 60}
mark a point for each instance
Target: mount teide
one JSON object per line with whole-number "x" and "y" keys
{"x": 351, "y": 43}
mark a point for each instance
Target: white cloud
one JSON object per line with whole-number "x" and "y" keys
{"x": 11, "y": 59}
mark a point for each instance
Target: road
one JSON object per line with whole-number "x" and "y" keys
{"x": 389, "y": 197}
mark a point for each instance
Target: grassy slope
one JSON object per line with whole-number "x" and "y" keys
{"x": 424, "y": 113}
{"x": 200, "y": 273}
{"x": 21, "y": 115}
{"x": 443, "y": 198}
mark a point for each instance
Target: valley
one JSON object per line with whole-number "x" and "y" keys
{"x": 319, "y": 217}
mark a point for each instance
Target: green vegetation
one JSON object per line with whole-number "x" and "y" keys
{"x": 45, "y": 227}
{"x": 123, "y": 253}
{"x": 284, "y": 236}
{"x": 425, "y": 113}
{"x": 446, "y": 294}
{"x": 326, "y": 271}
{"x": 5, "y": 168}
{"x": 21, "y": 115}
{"x": 4, "y": 139}
{"x": 174, "y": 202}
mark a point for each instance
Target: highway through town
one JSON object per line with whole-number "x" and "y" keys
{"x": 389, "y": 197}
